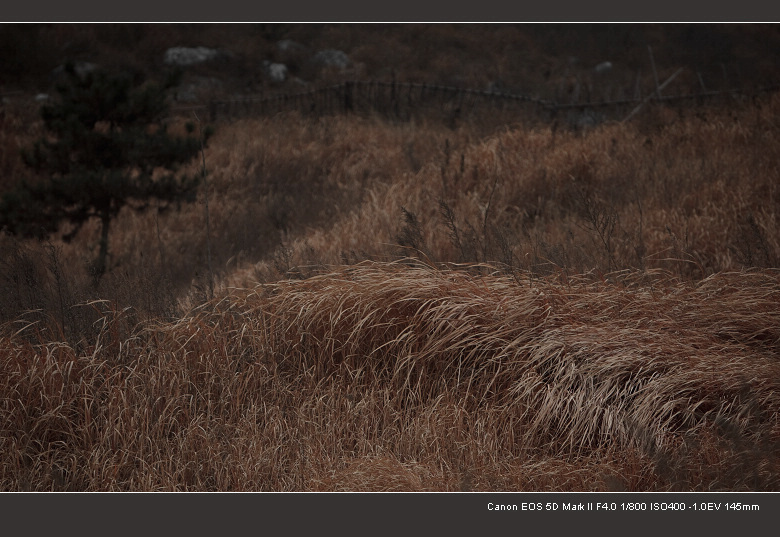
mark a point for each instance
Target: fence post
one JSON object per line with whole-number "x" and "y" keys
{"x": 393, "y": 99}
{"x": 348, "y": 88}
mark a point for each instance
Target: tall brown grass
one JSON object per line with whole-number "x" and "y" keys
{"x": 401, "y": 376}
{"x": 692, "y": 191}
{"x": 689, "y": 191}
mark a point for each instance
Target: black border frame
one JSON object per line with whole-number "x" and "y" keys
{"x": 665, "y": 11}
{"x": 229, "y": 513}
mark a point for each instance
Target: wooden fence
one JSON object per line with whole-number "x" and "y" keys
{"x": 403, "y": 101}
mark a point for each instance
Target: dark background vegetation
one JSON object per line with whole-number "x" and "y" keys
{"x": 523, "y": 57}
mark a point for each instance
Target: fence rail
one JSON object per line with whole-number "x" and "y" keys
{"x": 406, "y": 100}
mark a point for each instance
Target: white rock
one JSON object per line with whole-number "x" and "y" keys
{"x": 277, "y": 72}
{"x": 288, "y": 45}
{"x": 183, "y": 56}
{"x": 331, "y": 58}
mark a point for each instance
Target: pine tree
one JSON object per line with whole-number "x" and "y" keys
{"x": 107, "y": 148}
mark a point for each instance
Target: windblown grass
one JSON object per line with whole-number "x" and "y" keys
{"x": 402, "y": 376}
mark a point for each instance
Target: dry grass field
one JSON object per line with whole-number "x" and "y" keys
{"x": 414, "y": 306}
{"x": 401, "y": 376}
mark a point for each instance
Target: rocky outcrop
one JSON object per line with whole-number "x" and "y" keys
{"x": 331, "y": 58}
{"x": 184, "y": 56}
